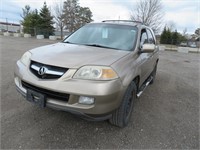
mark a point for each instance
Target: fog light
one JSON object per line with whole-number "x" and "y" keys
{"x": 86, "y": 100}
{"x": 17, "y": 81}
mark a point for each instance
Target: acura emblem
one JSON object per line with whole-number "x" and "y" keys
{"x": 42, "y": 70}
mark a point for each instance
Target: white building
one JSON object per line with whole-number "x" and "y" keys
{"x": 10, "y": 27}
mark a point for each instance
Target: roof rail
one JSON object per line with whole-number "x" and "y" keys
{"x": 128, "y": 21}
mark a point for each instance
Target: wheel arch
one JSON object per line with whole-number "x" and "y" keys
{"x": 137, "y": 81}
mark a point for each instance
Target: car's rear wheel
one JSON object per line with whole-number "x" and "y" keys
{"x": 122, "y": 115}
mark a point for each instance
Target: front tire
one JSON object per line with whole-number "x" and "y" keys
{"x": 122, "y": 115}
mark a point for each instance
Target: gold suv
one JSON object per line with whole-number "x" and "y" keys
{"x": 96, "y": 72}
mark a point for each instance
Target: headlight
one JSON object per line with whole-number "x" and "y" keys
{"x": 95, "y": 73}
{"x": 26, "y": 58}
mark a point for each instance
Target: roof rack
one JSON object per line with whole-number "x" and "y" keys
{"x": 127, "y": 21}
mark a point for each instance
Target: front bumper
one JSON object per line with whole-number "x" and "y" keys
{"x": 107, "y": 94}
{"x": 73, "y": 111}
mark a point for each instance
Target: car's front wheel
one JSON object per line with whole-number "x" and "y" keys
{"x": 121, "y": 116}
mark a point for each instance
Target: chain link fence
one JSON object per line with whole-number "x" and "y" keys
{"x": 38, "y": 31}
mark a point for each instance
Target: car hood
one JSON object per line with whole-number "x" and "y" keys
{"x": 75, "y": 56}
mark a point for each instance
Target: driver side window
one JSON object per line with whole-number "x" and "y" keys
{"x": 143, "y": 38}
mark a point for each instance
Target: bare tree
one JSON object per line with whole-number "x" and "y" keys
{"x": 71, "y": 8}
{"x": 75, "y": 15}
{"x": 149, "y": 12}
{"x": 59, "y": 17}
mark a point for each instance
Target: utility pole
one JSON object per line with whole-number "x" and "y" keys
{"x": 7, "y": 24}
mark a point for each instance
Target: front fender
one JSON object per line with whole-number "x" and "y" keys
{"x": 127, "y": 68}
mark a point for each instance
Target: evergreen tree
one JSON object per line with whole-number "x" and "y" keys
{"x": 181, "y": 38}
{"x": 35, "y": 21}
{"x": 175, "y": 38}
{"x": 26, "y": 11}
{"x": 46, "y": 22}
{"x": 30, "y": 20}
{"x": 163, "y": 37}
{"x": 26, "y": 15}
{"x": 168, "y": 37}
{"x": 26, "y": 23}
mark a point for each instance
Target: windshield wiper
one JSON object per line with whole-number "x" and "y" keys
{"x": 97, "y": 45}
{"x": 68, "y": 42}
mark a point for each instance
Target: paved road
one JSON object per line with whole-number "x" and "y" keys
{"x": 165, "y": 116}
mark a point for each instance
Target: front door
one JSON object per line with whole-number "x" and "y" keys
{"x": 147, "y": 63}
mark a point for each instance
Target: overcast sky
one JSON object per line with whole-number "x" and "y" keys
{"x": 184, "y": 13}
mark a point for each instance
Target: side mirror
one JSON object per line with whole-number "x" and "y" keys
{"x": 148, "y": 48}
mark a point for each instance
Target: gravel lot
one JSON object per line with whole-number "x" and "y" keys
{"x": 165, "y": 116}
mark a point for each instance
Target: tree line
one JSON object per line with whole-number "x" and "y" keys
{"x": 171, "y": 37}
{"x": 68, "y": 15}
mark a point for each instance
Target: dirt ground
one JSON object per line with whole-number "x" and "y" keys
{"x": 166, "y": 116}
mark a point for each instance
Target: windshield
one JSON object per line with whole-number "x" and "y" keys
{"x": 120, "y": 37}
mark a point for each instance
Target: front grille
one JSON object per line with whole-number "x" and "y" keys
{"x": 48, "y": 93}
{"x": 44, "y": 71}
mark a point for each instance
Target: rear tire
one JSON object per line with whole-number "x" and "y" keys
{"x": 121, "y": 116}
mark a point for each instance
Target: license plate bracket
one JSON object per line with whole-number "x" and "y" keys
{"x": 36, "y": 98}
